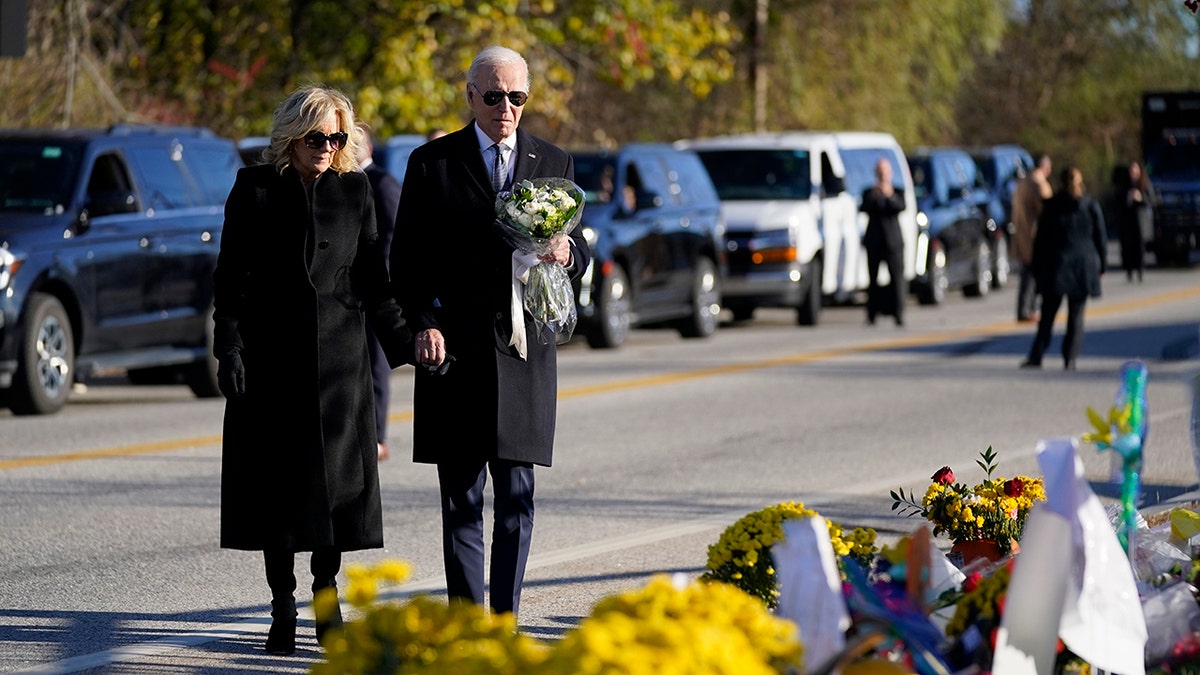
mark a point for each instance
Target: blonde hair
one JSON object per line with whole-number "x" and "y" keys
{"x": 305, "y": 110}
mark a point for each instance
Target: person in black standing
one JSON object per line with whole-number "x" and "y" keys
{"x": 1068, "y": 262}
{"x": 299, "y": 272}
{"x": 1135, "y": 216}
{"x": 492, "y": 411}
{"x": 386, "y": 189}
{"x": 882, "y": 203}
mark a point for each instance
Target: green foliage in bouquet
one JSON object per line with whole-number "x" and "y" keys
{"x": 540, "y": 210}
{"x": 995, "y": 509}
{"x": 742, "y": 555}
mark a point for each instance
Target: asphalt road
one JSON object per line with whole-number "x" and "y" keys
{"x": 109, "y": 510}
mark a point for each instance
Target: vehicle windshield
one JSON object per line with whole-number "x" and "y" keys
{"x": 860, "y": 169}
{"x": 594, "y": 174}
{"x": 1179, "y": 160}
{"x": 741, "y": 175}
{"x": 921, "y": 176}
{"x": 37, "y": 177}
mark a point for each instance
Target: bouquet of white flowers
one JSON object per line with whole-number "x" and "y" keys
{"x": 534, "y": 216}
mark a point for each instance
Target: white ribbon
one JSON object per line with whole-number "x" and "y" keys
{"x": 521, "y": 262}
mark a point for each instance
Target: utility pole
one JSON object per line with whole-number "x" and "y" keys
{"x": 758, "y": 68}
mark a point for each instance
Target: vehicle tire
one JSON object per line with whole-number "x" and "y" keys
{"x": 201, "y": 376}
{"x": 706, "y": 302}
{"x": 1001, "y": 265}
{"x": 741, "y": 312}
{"x": 809, "y": 311}
{"x": 611, "y": 327}
{"x": 932, "y": 291}
{"x": 983, "y": 272}
{"x": 45, "y": 360}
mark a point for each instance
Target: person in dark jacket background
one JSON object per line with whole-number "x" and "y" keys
{"x": 1135, "y": 217}
{"x": 1068, "y": 260}
{"x": 299, "y": 271}
{"x": 386, "y": 189}
{"x": 882, "y": 203}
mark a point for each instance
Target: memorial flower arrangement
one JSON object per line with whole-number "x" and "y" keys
{"x": 534, "y": 216}
{"x": 654, "y": 629}
{"x": 742, "y": 554}
{"x": 992, "y": 510}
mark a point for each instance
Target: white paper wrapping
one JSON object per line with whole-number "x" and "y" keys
{"x": 811, "y": 588}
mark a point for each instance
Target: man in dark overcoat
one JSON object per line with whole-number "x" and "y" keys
{"x": 493, "y": 410}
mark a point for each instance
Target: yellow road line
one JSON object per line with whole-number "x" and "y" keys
{"x": 1095, "y": 310}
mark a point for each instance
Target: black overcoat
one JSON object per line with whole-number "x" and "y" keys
{"x": 1070, "y": 248}
{"x": 299, "y": 465}
{"x": 452, "y": 270}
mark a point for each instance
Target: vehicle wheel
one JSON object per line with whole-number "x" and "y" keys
{"x": 45, "y": 361}
{"x": 809, "y": 311}
{"x": 932, "y": 291}
{"x": 983, "y": 272}
{"x": 706, "y": 302}
{"x": 1001, "y": 267}
{"x": 201, "y": 376}
{"x": 612, "y": 312}
{"x": 741, "y": 312}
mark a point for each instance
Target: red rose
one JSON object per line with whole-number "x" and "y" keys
{"x": 971, "y": 582}
{"x": 1014, "y": 487}
{"x": 944, "y": 476}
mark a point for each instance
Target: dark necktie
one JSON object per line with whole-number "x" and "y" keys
{"x": 499, "y": 170}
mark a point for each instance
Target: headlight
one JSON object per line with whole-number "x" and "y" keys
{"x": 589, "y": 235}
{"x": 8, "y": 267}
{"x": 922, "y": 220}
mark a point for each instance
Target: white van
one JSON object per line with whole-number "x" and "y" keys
{"x": 860, "y": 151}
{"x": 791, "y": 228}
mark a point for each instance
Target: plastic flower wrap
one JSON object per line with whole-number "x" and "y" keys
{"x": 995, "y": 509}
{"x": 742, "y": 555}
{"x": 534, "y": 216}
{"x": 675, "y": 627}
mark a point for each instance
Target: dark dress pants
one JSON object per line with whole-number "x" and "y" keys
{"x": 462, "y": 487}
{"x": 1072, "y": 341}
{"x": 889, "y": 299}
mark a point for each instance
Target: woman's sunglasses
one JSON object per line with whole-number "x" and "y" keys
{"x": 490, "y": 98}
{"x": 316, "y": 140}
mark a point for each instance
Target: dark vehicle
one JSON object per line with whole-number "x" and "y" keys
{"x": 961, "y": 235}
{"x": 108, "y": 240}
{"x": 653, "y": 222}
{"x": 1171, "y": 147}
{"x": 251, "y": 149}
{"x": 1001, "y": 168}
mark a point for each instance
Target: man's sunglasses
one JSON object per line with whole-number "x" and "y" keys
{"x": 490, "y": 98}
{"x": 316, "y": 140}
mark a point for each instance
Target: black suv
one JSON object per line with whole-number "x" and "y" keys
{"x": 108, "y": 239}
{"x": 653, "y": 222}
{"x": 962, "y": 237}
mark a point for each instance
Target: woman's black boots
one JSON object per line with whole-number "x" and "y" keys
{"x": 281, "y": 640}
{"x": 325, "y": 565}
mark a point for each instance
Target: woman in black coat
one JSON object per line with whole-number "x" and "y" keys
{"x": 1068, "y": 261}
{"x": 1135, "y": 216}
{"x": 299, "y": 272}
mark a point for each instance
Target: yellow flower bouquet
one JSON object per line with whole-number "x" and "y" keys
{"x": 994, "y": 510}
{"x": 742, "y": 555}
